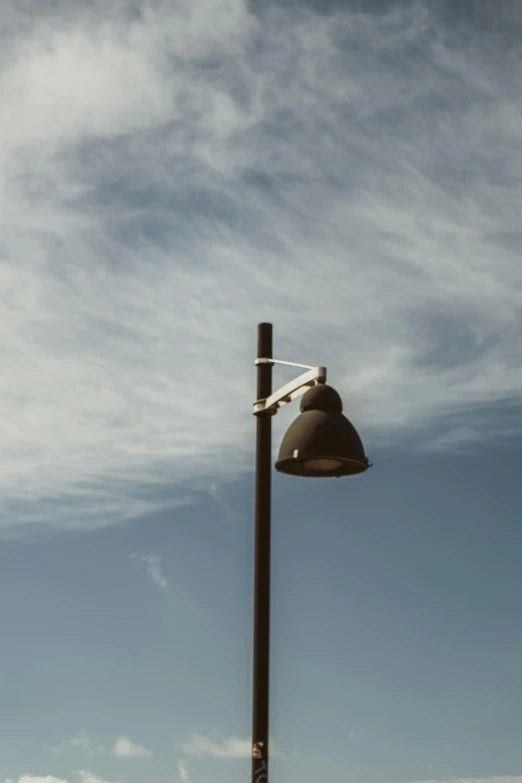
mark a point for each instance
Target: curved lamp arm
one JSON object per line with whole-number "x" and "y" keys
{"x": 290, "y": 391}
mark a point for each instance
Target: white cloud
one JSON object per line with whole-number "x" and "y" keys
{"x": 85, "y": 777}
{"x": 106, "y": 75}
{"x": 153, "y": 568}
{"x": 36, "y": 779}
{"x": 183, "y": 772}
{"x": 90, "y": 777}
{"x": 82, "y": 741}
{"x": 172, "y": 176}
{"x": 217, "y": 746}
{"x": 125, "y": 749}
{"x": 70, "y": 65}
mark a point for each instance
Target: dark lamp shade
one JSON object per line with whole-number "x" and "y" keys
{"x": 321, "y": 442}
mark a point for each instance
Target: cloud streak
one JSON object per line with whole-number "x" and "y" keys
{"x": 217, "y": 746}
{"x": 172, "y": 176}
{"x": 183, "y": 772}
{"x": 82, "y": 741}
{"x": 153, "y": 569}
{"x": 36, "y": 779}
{"x": 89, "y": 777}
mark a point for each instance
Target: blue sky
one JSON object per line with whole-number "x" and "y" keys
{"x": 172, "y": 174}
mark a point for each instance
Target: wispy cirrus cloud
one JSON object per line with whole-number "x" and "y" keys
{"x": 83, "y": 776}
{"x": 172, "y": 176}
{"x": 218, "y": 746}
{"x": 82, "y": 741}
{"x": 89, "y": 777}
{"x": 153, "y": 563}
{"x": 183, "y": 772}
{"x": 36, "y": 779}
{"x": 231, "y": 747}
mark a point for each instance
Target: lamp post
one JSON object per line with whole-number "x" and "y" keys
{"x": 321, "y": 442}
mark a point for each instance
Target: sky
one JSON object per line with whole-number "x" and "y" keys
{"x": 171, "y": 175}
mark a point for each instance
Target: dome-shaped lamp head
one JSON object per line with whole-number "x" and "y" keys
{"x": 321, "y": 442}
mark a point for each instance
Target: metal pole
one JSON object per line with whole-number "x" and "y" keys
{"x": 262, "y": 564}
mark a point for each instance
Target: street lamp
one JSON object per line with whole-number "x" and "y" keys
{"x": 321, "y": 442}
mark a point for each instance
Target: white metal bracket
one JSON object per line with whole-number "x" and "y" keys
{"x": 290, "y": 391}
